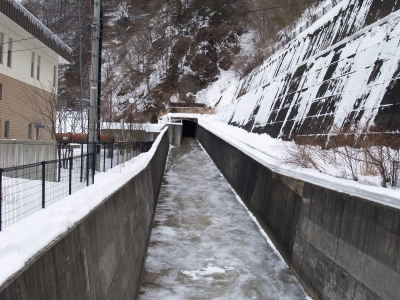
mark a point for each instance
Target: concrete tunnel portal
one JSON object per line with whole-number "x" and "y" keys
{"x": 189, "y": 128}
{"x": 180, "y": 128}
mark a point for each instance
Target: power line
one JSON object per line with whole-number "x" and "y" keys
{"x": 210, "y": 3}
{"x": 275, "y": 7}
{"x": 43, "y": 35}
{"x": 171, "y": 11}
{"x": 51, "y": 33}
{"x": 13, "y": 51}
{"x": 240, "y": 13}
{"x": 151, "y": 28}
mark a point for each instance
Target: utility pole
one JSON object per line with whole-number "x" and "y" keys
{"x": 94, "y": 79}
{"x": 99, "y": 74}
{"x": 80, "y": 25}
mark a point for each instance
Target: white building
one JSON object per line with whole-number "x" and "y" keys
{"x": 29, "y": 57}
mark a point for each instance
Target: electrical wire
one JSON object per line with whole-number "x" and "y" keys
{"x": 13, "y": 51}
{"x": 151, "y": 28}
{"x": 66, "y": 30}
{"x": 172, "y": 11}
{"x": 240, "y": 13}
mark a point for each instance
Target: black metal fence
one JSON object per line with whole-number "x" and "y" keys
{"x": 29, "y": 188}
{"x": 109, "y": 154}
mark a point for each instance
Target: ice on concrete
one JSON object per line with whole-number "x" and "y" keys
{"x": 204, "y": 245}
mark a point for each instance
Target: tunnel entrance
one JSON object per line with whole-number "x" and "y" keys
{"x": 189, "y": 128}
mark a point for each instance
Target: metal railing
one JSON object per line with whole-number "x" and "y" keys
{"x": 29, "y": 188}
{"x": 109, "y": 154}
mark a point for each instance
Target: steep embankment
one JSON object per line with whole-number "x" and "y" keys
{"x": 344, "y": 68}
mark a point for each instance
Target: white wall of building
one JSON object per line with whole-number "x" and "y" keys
{"x": 22, "y": 47}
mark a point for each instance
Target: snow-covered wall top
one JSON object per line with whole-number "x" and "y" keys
{"x": 344, "y": 68}
{"x": 21, "y": 16}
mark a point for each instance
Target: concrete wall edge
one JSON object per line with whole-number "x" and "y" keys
{"x": 162, "y": 145}
{"x": 368, "y": 195}
{"x": 333, "y": 242}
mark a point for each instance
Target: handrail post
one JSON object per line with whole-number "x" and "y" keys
{"x": 43, "y": 184}
{"x": 70, "y": 175}
{"x": 104, "y": 157}
{"x": 118, "y": 146}
{"x": 94, "y": 167}
{"x": 112, "y": 153}
{"x": 1, "y": 196}
{"x": 87, "y": 169}
{"x": 59, "y": 161}
{"x": 59, "y": 169}
{"x": 81, "y": 162}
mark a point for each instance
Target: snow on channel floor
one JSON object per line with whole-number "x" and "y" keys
{"x": 204, "y": 245}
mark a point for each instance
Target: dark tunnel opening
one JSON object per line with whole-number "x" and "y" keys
{"x": 189, "y": 128}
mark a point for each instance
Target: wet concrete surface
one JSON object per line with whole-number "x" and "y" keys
{"x": 203, "y": 244}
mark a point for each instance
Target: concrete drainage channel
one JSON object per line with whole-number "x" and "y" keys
{"x": 339, "y": 246}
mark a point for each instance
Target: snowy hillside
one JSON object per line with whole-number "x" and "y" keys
{"x": 342, "y": 69}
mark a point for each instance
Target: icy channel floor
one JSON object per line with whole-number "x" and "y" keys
{"x": 204, "y": 245}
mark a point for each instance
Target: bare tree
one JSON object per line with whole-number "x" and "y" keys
{"x": 139, "y": 57}
{"x": 379, "y": 150}
{"x": 343, "y": 143}
{"x": 38, "y": 105}
{"x": 360, "y": 149}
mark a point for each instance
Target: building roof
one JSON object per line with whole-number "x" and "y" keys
{"x": 21, "y": 16}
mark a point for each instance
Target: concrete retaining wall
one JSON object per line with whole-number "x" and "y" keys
{"x": 339, "y": 246}
{"x": 18, "y": 153}
{"x": 102, "y": 256}
{"x": 324, "y": 79}
{"x": 175, "y": 131}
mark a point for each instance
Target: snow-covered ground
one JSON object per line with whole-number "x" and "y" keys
{"x": 22, "y": 197}
{"x": 339, "y": 80}
{"x": 18, "y": 243}
{"x": 22, "y": 189}
{"x": 271, "y": 153}
{"x": 262, "y": 99}
{"x": 21, "y": 241}
{"x": 213, "y": 93}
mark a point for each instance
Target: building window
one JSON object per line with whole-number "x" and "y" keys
{"x": 33, "y": 65}
{"x": 1, "y": 48}
{"x": 30, "y": 131}
{"x": 54, "y": 76}
{"x": 9, "y": 52}
{"x": 6, "y": 129}
{"x": 1, "y": 90}
{"x": 38, "y": 68}
{"x": 37, "y": 133}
